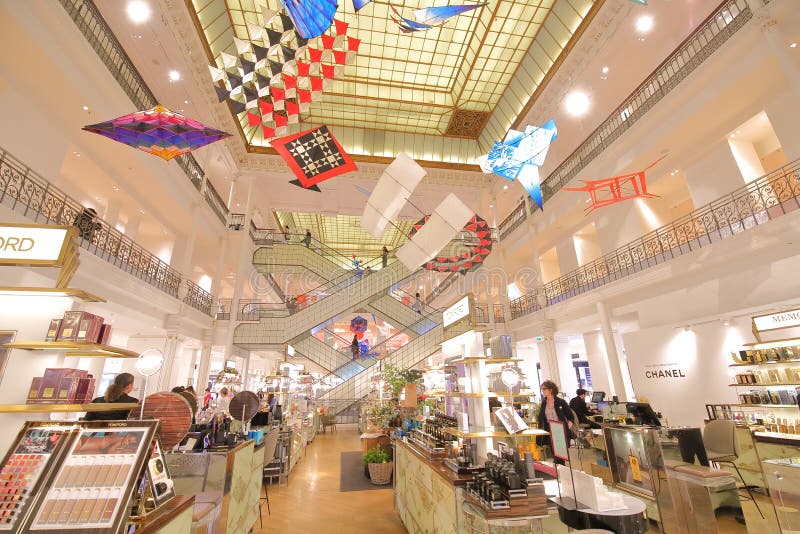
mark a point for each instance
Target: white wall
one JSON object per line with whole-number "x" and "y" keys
{"x": 700, "y": 356}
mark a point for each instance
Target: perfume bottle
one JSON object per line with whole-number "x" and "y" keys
{"x": 636, "y": 472}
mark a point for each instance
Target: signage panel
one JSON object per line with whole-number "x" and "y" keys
{"x": 33, "y": 244}
{"x": 457, "y": 311}
{"x": 774, "y": 321}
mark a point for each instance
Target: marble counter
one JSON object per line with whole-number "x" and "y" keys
{"x": 427, "y": 494}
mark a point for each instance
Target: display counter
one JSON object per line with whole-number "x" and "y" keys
{"x": 427, "y": 495}
{"x": 173, "y": 517}
{"x": 229, "y": 476}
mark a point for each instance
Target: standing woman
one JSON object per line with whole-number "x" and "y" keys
{"x": 384, "y": 256}
{"x": 553, "y": 408}
{"x": 117, "y": 393}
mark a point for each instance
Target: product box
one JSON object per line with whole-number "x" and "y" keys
{"x": 52, "y": 331}
{"x": 84, "y": 391}
{"x": 105, "y": 334}
{"x": 89, "y": 329}
{"x": 66, "y": 389}
{"x": 70, "y": 325}
{"x": 33, "y": 393}
{"x": 51, "y": 382}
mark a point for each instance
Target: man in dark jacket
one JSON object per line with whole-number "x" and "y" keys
{"x": 578, "y": 405}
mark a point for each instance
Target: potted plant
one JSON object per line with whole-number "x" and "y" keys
{"x": 396, "y": 379}
{"x": 380, "y": 466}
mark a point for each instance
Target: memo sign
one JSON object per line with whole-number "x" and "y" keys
{"x": 40, "y": 245}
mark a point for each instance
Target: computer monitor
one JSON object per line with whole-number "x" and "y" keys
{"x": 601, "y": 406}
{"x": 643, "y": 413}
{"x": 598, "y": 396}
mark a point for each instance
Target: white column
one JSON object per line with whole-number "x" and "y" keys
{"x": 777, "y": 42}
{"x": 598, "y": 362}
{"x": 185, "y": 263}
{"x": 245, "y": 371}
{"x": 170, "y": 352}
{"x": 548, "y": 357}
{"x": 617, "y": 384}
{"x": 714, "y": 175}
{"x": 747, "y": 159}
{"x": 111, "y": 215}
{"x": 205, "y": 361}
{"x": 567, "y": 258}
{"x": 243, "y": 265}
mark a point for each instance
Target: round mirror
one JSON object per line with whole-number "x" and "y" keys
{"x": 510, "y": 377}
{"x": 150, "y": 362}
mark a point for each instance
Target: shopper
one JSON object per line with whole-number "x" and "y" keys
{"x": 286, "y": 233}
{"x": 190, "y": 389}
{"x": 354, "y": 348}
{"x": 307, "y": 238}
{"x": 87, "y": 223}
{"x": 116, "y": 393}
{"x": 207, "y": 398}
{"x": 417, "y": 305}
{"x": 384, "y": 256}
{"x": 578, "y": 405}
{"x": 223, "y": 400}
{"x": 553, "y": 408}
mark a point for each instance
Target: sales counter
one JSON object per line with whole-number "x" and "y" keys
{"x": 172, "y": 517}
{"x": 427, "y": 495}
{"x": 231, "y": 476}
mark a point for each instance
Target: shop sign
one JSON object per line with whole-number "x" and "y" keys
{"x": 22, "y": 244}
{"x": 774, "y": 321}
{"x": 460, "y": 317}
{"x": 664, "y": 372}
{"x": 457, "y": 311}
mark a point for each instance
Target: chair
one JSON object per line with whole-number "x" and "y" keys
{"x": 207, "y": 504}
{"x": 328, "y": 421}
{"x": 719, "y": 438}
{"x": 270, "y": 444}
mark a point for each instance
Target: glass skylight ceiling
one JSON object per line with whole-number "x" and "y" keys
{"x": 409, "y": 85}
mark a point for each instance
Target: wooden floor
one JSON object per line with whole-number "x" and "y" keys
{"x": 311, "y": 501}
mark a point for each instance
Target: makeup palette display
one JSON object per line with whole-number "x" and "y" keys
{"x": 22, "y": 470}
{"x": 73, "y": 477}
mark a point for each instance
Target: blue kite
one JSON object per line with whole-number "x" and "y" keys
{"x": 520, "y": 155}
{"x": 430, "y": 17}
{"x": 311, "y": 18}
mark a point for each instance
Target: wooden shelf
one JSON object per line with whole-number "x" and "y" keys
{"x": 491, "y": 394}
{"x": 51, "y": 292}
{"x": 482, "y": 359}
{"x": 494, "y": 433}
{"x": 84, "y": 349}
{"x": 773, "y": 362}
{"x": 767, "y": 406}
{"x": 46, "y": 408}
{"x": 764, "y": 385}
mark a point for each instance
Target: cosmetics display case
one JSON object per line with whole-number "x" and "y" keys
{"x": 79, "y": 477}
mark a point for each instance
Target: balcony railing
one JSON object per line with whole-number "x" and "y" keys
{"x": 262, "y": 236}
{"x": 514, "y": 219}
{"x": 99, "y": 35}
{"x": 769, "y": 197}
{"x": 24, "y": 191}
{"x": 708, "y": 37}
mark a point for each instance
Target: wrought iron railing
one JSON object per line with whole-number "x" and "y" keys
{"x": 99, "y": 35}
{"x": 708, "y": 37}
{"x": 197, "y": 297}
{"x": 262, "y": 236}
{"x": 26, "y": 192}
{"x": 513, "y": 220}
{"x": 223, "y": 310}
{"x": 769, "y": 197}
{"x": 499, "y": 313}
{"x": 236, "y": 221}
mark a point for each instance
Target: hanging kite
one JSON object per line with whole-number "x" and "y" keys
{"x": 520, "y": 155}
{"x": 616, "y": 189}
{"x": 158, "y": 131}
{"x": 314, "y": 156}
{"x": 430, "y": 17}
{"x": 358, "y": 4}
{"x": 278, "y": 74}
{"x": 312, "y": 18}
{"x": 466, "y": 260}
{"x": 358, "y": 325}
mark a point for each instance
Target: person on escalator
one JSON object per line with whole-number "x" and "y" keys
{"x": 417, "y": 306}
{"x": 307, "y": 238}
{"x": 354, "y": 348}
{"x": 384, "y": 256}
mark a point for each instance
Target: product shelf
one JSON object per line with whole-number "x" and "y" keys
{"x": 764, "y": 384}
{"x": 84, "y": 349}
{"x": 491, "y": 394}
{"x": 482, "y": 359}
{"x": 758, "y": 364}
{"x": 494, "y": 433}
{"x": 793, "y": 406}
{"x": 53, "y": 407}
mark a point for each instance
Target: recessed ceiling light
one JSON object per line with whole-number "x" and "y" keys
{"x": 115, "y": 187}
{"x": 505, "y": 188}
{"x": 138, "y": 11}
{"x": 141, "y": 211}
{"x": 85, "y": 108}
{"x": 604, "y": 70}
{"x": 793, "y": 45}
{"x": 644, "y": 24}
{"x": 491, "y": 205}
{"x": 420, "y": 287}
{"x": 185, "y": 101}
{"x": 577, "y": 103}
{"x": 174, "y": 76}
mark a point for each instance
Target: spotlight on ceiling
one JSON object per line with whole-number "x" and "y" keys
{"x": 577, "y": 103}
{"x": 644, "y": 24}
{"x": 138, "y": 11}
{"x": 174, "y": 76}
{"x": 604, "y": 70}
